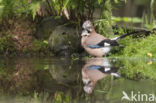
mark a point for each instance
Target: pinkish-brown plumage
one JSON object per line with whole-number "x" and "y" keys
{"x": 93, "y": 38}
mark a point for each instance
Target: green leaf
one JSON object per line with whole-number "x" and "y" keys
{"x": 152, "y": 3}
{"x": 116, "y": 1}
{"x": 1, "y": 7}
{"x": 1, "y": 1}
{"x": 1, "y": 10}
{"x": 33, "y": 8}
{"x": 45, "y": 41}
{"x": 99, "y": 1}
{"x": 65, "y": 4}
{"x": 46, "y": 67}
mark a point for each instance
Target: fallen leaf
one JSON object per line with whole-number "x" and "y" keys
{"x": 149, "y": 54}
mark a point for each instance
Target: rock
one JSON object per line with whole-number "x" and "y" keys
{"x": 64, "y": 71}
{"x": 65, "y": 40}
{"x": 46, "y": 27}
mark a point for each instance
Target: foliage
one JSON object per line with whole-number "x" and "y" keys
{"x": 80, "y": 10}
{"x": 138, "y": 47}
{"x": 6, "y": 8}
{"x": 7, "y": 45}
{"x": 148, "y": 18}
{"x": 40, "y": 46}
{"x": 76, "y": 9}
{"x": 10, "y": 8}
{"x": 103, "y": 27}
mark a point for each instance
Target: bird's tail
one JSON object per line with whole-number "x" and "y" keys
{"x": 123, "y": 35}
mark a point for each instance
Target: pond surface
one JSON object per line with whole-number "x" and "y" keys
{"x": 62, "y": 80}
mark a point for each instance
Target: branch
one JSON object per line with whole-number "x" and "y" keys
{"x": 135, "y": 30}
{"x": 49, "y": 6}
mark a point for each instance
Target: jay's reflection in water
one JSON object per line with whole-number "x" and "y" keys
{"x": 96, "y": 69}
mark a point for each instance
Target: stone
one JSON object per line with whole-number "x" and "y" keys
{"x": 47, "y": 26}
{"x": 65, "y": 40}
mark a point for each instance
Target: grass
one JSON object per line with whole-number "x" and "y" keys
{"x": 142, "y": 47}
{"x": 138, "y": 57}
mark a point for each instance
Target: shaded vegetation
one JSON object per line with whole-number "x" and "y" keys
{"x": 7, "y": 45}
{"x": 75, "y": 9}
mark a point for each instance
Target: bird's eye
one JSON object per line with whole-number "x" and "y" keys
{"x": 63, "y": 33}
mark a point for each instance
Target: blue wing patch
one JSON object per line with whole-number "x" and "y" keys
{"x": 94, "y": 67}
{"x": 94, "y": 46}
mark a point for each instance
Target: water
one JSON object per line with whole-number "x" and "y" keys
{"x": 62, "y": 80}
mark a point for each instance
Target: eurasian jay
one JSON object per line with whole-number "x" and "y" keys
{"x": 94, "y": 70}
{"x": 96, "y": 44}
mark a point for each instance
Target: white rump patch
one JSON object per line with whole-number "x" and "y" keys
{"x": 106, "y": 44}
{"x": 107, "y": 69}
{"x": 106, "y": 50}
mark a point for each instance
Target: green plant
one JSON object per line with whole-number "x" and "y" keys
{"x": 138, "y": 47}
{"x": 103, "y": 27}
{"x": 7, "y": 45}
{"x": 6, "y": 8}
{"x": 40, "y": 46}
{"x": 76, "y": 10}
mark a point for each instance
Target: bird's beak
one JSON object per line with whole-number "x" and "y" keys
{"x": 84, "y": 33}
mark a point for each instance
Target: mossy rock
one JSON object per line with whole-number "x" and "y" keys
{"x": 47, "y": 26}
{"x": 64, "y": 71}
{"x": 65, "y": 40}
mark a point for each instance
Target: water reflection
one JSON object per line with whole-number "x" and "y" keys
{"x": 59, "y": 80}
{"x": 39, "y": 80}
{"x": 96, "y": 69}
